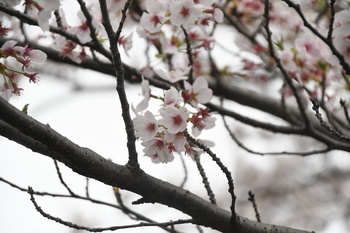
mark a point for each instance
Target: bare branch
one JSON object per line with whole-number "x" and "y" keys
{"x": 185, "y": 172}
{"x": 87, "y": 193}
{"x": 189, "y": 55}
{"x": 89, "y": 18}
{"x": 119, "y": 69}
{"x": 61, "y": 179}
{"x": 346, "y": 112}
{"x": 223, "y": 169}
{"x": 100, "y": 229}
{"x": 58, "y": 19}
{"x": 252, "y": 200}
{"x": 240, "y": 144}
{"x": 286, "y": 76}
{"x": 133, "y": 215}
{"x": 331, "y": 21}
{"x": 334, "y": 132}
{"x": 255, "y": 123}
{"x": 205, "y": 180}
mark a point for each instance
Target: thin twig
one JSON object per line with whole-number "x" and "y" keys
{"x": 61, "y": 179}
{"x": 122, "y": 20}
{"x": 324, "y": 124}
{"x": 252, "y": 200}
{"x": 204, "y": 179}
{"x": 285, "y": 74}
{"x": 240, "y": 28}
{"x": 291, "y": 117}
{"x": 241, "y": 145}
{"x": 189, "y": 54}
{"x": 255, "y": 123}
{"x": 89, "y": 19}
{"x": 331, "y": 21}
{"x": 346, "y": 112}
{"x": 200, "y": 230}
{"x": 185, "y": 172}
{"x": 59, "y": 195}
{"x": 223, "y": 169}
{"x": 324, "y": 106}
{"x": 127, "y": 211}
{"x": 100, "y": 229}
{"x": 118, "y": 65}
{"x": 58, "y": 19}
{"x": 87, "y": 188}
{"x": 121, "y": 203}
{"x": 132, "y": 214}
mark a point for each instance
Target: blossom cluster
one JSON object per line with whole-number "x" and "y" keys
{"x": 76, "y": 50}
{"x": 180, "y": 31}
{"x": 41, "y": 9}
{"x": 16, "y": 61}
{"x": 163, "y": 134}
{"x": 163, "y": 22}
{"x": 172, "y": 26}
{"x": 307, "y": 59}
{"x": 341, "y": 35}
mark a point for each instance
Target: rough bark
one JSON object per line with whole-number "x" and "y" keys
{"x": 41, "y": 138}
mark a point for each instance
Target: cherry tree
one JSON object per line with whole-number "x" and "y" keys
{"x": 286, "y": 59}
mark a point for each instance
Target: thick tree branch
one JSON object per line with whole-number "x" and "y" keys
{"x": 88, "y": 163}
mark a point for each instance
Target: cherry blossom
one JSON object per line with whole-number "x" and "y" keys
{"x": 218, "y": 15}
{"x": 82, "y": 31}
{"x": 153, "y": 19}
{"x": 193, "y": 151}
{"x": 3, "y": 30}
{"x": 146, "y": 92}
{"x": 173, "y": 76}
{"x": 35, "y": 55}
{"x": 10, "y": 49}
{"x": 184, "y": 12}
{"x": 177, "y": 140}
{"x": 126, "y": 42}
{"x": 67, "y": 48}
{"x": 312, "y": 47}
{"x": 211, "y": 12}
{"x": 24, "y": 55}
{"x": 342, "y": 33}
{"x": 249, "y": 10}
{"x": 172, "y": 97}
{"x": 146, "y": 126}
{"x": 45, "y": 9}
{"x": 201, "y": 120}
{"x": 174, "y": 119}
{"x": 5, "y": 90}
{"x": 199, "y": 92}
{"x": 43, "y": 20}
{"x": 16, "y": 61}
{"x": 158, "y": 151}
